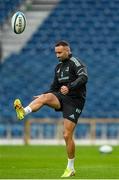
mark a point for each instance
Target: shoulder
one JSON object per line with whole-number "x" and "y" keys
{"x": 58, "y": 66}
{"x": 75, "y": 61}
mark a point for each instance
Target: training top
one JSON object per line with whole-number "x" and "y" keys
{"x": 73, "y": 74}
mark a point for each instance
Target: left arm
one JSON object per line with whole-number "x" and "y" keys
{"x": 82, "y": 77}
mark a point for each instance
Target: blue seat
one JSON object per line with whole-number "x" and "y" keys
{"x": 92, "y": 29}
{"x": 112, "y": 131}
{"x": 3, "y": 131}
{"x": 7, "y": 7}
{"x": 101, "y": 130}
{"x": 17, "y": 130}
{"x": 82, "y": 131}
{"x": 49, "y": 131}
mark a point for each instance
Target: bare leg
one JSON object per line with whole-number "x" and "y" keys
{"x": 45, "y": 99}
{"x": 68, "y": 136}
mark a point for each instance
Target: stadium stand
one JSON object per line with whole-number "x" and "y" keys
{"x": 91, "y": 27}
{"x": 6, "y": 7}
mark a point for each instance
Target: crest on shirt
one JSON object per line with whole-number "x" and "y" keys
{"x": 67, "y": 69}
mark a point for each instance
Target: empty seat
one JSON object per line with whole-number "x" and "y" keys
{"x": 92, "y": 29}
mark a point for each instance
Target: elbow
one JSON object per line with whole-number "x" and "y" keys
{"x": 85, "y": 79}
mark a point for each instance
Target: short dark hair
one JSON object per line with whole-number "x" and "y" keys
{"x": 62, "y": 43}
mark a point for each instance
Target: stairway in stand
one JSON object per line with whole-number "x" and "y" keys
{"x": 35, "y": 11}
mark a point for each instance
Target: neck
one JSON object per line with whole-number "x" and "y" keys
{"x": 70, "y": 55}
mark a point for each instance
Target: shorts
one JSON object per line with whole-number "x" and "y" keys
{"x": 70, "y": 107}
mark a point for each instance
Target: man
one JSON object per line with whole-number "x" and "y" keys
{"x": 67, "y": 94}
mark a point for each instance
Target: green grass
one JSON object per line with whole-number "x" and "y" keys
{"x": 49, "y": 162}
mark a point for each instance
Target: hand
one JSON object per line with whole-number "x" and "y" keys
{"x": 64, "y": 90}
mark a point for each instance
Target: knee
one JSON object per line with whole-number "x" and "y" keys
{"x": 66, "y": 136}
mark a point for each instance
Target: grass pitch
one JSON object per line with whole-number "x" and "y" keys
{"x": 49, "y": 162}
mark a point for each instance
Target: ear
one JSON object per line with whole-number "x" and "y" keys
{"x": 68, "y": 49}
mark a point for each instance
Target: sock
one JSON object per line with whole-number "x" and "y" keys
{"x": 70, "y": 164}
{"x": 27, "y": 110}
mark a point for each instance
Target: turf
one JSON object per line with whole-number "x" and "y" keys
{"x": 49, "y": 162}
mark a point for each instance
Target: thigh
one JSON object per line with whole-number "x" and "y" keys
{"x": 71, "y": 110}
{"x": 52, "y": 101}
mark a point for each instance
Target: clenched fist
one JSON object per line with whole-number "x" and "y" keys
{"x": 64, "y": 90}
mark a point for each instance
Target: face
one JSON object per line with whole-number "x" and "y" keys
{"x": 62, "y": 52}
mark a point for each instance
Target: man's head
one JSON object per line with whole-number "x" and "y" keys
{"x": 62, "y": 50}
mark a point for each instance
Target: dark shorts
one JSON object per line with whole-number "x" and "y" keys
{"x": 70, "y": 107}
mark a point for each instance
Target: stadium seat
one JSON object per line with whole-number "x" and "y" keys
{"x": 7, "y": 7}
{"x": 112, "y": 131}
{"x": 17, "y": 130}
{"x": 82, "y": 131}
{"x": 3, "y": 131}
{"x": 92, "y": 29}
